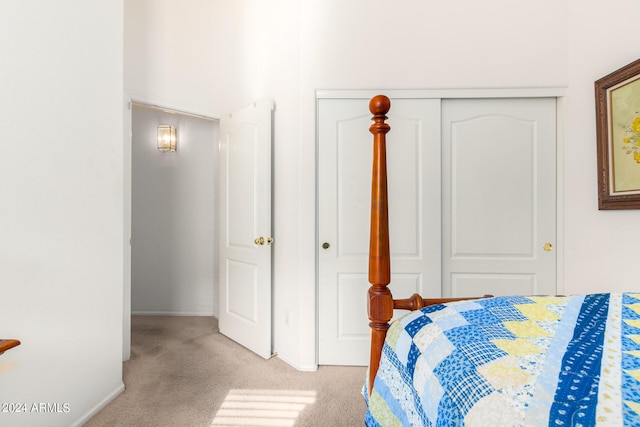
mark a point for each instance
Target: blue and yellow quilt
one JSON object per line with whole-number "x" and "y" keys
{"x": 512, "y": 361}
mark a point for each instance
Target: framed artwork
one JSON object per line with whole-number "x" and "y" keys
{"x": 618, "y": 138}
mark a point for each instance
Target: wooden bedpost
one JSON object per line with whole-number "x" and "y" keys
{"x": 380, "y": 303}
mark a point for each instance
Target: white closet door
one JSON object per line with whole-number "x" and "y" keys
{"x": 344, "y": 186}
{"x": 499, "y": 196}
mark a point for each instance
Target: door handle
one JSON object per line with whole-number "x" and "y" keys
{"x": 548, "y": 247}
{"x": 261, "y": 241}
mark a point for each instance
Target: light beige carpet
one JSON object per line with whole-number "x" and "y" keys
{"x": 182, "y": 372}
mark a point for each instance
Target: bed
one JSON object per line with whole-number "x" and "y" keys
{"x": 501, "y": 361}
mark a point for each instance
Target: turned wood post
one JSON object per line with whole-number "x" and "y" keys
{"x": 380, "y": 303}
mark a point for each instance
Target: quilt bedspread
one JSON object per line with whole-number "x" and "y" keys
{"x": 512, "y": 361}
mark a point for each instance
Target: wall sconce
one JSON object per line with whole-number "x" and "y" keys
{"x": 166, "y": 138}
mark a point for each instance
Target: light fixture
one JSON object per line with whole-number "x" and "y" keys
{"x": 166, "y": 138}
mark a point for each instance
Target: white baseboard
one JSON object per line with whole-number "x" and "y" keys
{"x": 302, "y": 368}
{"x": 173, "y": 313}
{"x": 88, "y": 415}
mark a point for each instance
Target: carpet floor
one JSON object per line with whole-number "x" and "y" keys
{"x": 183, "y": 372}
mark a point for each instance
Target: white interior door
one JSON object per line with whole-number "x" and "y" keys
{"x": 344, "y": 180}
{"x": 245, "y": 227}
{"x": 499, "y": 196}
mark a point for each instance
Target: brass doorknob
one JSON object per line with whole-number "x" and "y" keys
{"x": 259, "y": 241}
{"x": 548, "y": 247}
{"x": 270, "y": 240}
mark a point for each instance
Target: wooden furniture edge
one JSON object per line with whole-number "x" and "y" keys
{"x": 6, "y": 344}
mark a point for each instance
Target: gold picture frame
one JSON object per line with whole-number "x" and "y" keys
{"x": 618, "y": 138}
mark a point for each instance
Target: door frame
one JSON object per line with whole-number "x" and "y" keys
{"x": 559, "y": 93}
{"x": 130, "y": 98}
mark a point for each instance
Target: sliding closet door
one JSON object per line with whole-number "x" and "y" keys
{"x": 344, "y": 188}
{"x": 499, "y": 196}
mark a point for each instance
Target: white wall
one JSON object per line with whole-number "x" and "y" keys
{"x": 61, "y": 197}
{"x": 287, "y": 50}
{"x": 600, "y": 245}
{"x": 185, "y": 54}
{"x": 174, "y": 217}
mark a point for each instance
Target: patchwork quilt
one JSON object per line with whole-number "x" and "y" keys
{"x": 512, "y": 361}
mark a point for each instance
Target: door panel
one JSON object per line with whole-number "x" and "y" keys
{"x": 499, "y": 196}
{"x": 344, "y": 177}
{"x": 245, "y": 216}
